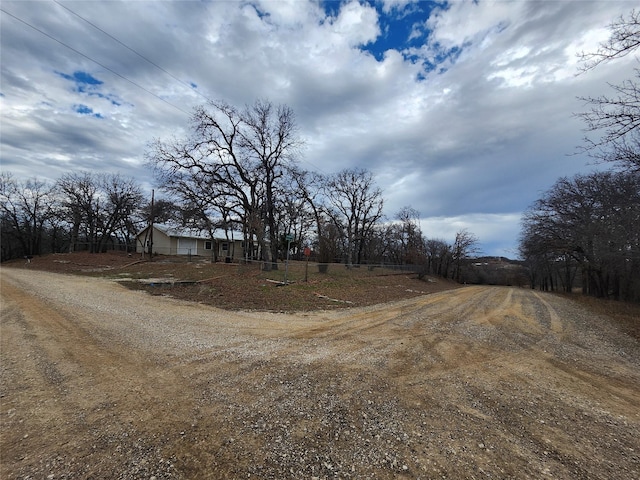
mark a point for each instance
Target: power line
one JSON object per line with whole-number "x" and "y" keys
{"x": 118, "y": 74}
{"x": 93, "y": 60}
{"x": 132, "y": 50}
{"x": 150, "y": 61}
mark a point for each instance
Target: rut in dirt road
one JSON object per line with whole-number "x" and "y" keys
{"x": 68, "y": 380}
{"x": 480, "y": 382}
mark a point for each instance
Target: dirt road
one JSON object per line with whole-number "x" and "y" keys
{"x": 482, "y": 382}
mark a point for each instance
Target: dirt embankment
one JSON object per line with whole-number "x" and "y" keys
{"x": 97, "y": 381}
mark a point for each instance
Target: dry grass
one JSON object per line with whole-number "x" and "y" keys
{"x": 248, "y": 287}
{"x": 625, "y": 315}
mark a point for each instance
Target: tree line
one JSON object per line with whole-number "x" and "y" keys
{"x": 585, "y": 230}
{"x": 80, "y": 211}
{"x": 236, "y": 170}
{"x": 339, "y": 217}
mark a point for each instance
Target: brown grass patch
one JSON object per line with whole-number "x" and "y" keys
{"x": 246, "y": 286}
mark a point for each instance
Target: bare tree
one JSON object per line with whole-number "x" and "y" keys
{"x": 206, "y": 172}
{"x": 616, "y": 115}
{"x": 403, "y": 240}
{"x": 547, "y": 253}
{"x": 624, "y": 39}
{"x": 464, "y": 247}
{"x": 438, "y": 253}
{"x": 26, "y": 207}
{"x": 294, "y": 215}
{"x": 591, "y": 221}
{"x": 412, "y": 241}
{"x": 269, "y": 140}
{"x": 122, "y": 198}
{"x": 624, "y": 152}
{"x": 355, "y": 206}
{"x": 79, "y": 193}
{"x": 164, "y": 211}
{"x": 99, "y": 207}
{"x": 311, "y": 187}
{"x": 231, "y": 163}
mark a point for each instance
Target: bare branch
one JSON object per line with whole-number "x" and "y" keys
{"x": 617, "y": 116}
{"x": 624, "y": 39}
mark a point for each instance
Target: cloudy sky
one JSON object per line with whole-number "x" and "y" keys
{"x": 462, "y": 110}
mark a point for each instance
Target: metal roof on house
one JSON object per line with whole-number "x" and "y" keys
{"x": 183, "y": 232}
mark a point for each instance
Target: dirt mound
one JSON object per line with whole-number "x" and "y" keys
{"x": 246, "y": 286}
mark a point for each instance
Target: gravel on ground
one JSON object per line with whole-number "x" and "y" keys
{"x": 97, "y": 381}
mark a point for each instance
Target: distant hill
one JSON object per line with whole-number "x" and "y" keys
{"x": 496, "y": 271}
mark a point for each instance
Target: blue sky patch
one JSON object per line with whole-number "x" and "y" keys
{"x": 84, "y": 110}
{"x": 81, "y": 78}
{"x": 87, "y": 84}
{"x": 331, "y": 7}
{"x": 111, "y": 98}
{"x": 398, "y": 26}
{"x": 403, "y": 29}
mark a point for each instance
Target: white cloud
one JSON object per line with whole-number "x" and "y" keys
{"x": 291, "y": 13}
{"x": 482, "y": 134}
{"x": 357, "y": 23}
{"x": 389, "y": 6}
{"x": 468, "y": 21}
{"x": 495, "y": 232}
{"x": 507, "y": 57}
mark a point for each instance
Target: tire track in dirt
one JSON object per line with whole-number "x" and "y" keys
{"x": 443, "y": 385}
{"x": 66, "y": 341}
{"x": 441, "y": 332}
{"x": 556, "y": 324}
{"x": 69, "y": 372}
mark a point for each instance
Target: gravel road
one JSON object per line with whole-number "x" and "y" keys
{"x": 97, "y": 381}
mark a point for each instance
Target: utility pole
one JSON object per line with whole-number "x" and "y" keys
{"x": 152, "y": 214}
{"x": 289, "y": 238}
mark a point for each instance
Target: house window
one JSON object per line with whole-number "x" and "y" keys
{"x": 225, "y": 247}
{"x": 208, "y": 245}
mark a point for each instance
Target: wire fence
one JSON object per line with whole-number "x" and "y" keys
{"x": 298, "y": 270}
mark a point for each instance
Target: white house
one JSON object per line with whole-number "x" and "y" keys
{"x": 169, "y": 240}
